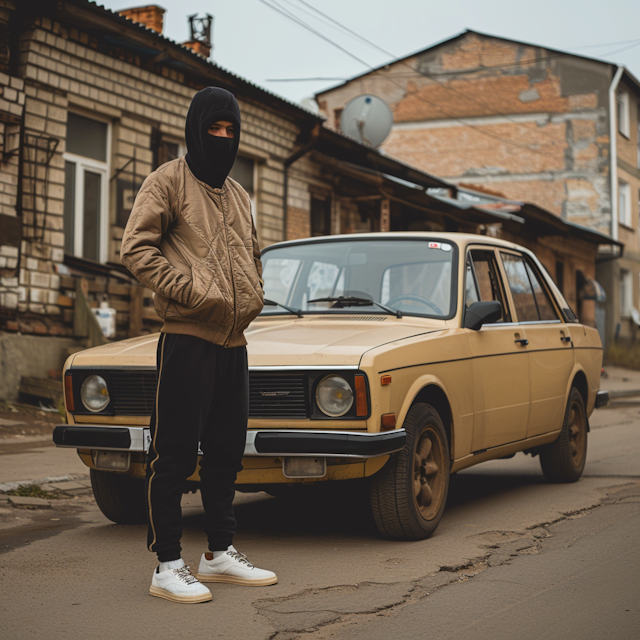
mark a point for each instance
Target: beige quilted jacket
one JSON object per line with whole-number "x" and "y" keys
{"x": 196, "y": 247}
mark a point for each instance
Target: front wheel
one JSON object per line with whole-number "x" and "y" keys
{"x": 120, "y": 497}
{"x": 563, "y": 459}
{"x": 409, "y": 493}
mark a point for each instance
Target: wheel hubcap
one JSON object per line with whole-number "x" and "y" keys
{"x": 577, "y": 434}
{"x": 428, "y": 473}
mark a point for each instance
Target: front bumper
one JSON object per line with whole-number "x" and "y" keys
{"x": 602, "y": 399}
{"x": 341, "y": 444}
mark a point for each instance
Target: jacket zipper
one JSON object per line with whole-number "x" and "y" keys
{"x": 223, "y": 199}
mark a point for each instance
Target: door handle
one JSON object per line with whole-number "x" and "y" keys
{"x": 565, "y": 338}
{"x": 522, "y": 342}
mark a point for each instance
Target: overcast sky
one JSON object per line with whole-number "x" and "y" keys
{"x": 260, "y": 44}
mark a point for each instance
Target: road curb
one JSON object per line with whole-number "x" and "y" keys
{"x": 624, "y": 393}
{"x": 10, "y": 486}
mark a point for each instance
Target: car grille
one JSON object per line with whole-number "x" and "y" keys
{"x": 271, "y": 395}
{"x": 277, "y": 395}
{"x": 133, "y": 392}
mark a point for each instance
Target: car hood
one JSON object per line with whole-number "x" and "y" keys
{"x": 328, "y": 341}
{"x": 282, "y": 342}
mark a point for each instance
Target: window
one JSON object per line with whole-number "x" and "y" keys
{"x": 414, "y": 276}
{"x": 243, "y": 172}
{"x": 425, "y": 287}
{"x": 623, "y": 114}
{"x": 482, "y": 282}
{"x": 546, "y": 310}
{"x": 521, "y": 290}
{"x": 85, "y": 201}
{"x": 164, "y": 150}
{"x": 323, "y": 280}
{"x": 320, "y": 216}
{"x": 624, "y": 203}
{"x": 530, "y": 296}
{"x": 626, "y": 293}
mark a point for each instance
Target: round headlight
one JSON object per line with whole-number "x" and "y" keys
{"x": 94, "y": 393}
{"x": 334, "y": 396}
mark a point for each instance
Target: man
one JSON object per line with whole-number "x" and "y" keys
{"x": 191, "y": 239}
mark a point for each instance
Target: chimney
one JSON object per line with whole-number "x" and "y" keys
{"x": 200, "y": 40}
{"x": 150, "y": 16}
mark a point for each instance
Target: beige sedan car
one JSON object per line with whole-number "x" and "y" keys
{"x": 399, "y": 358}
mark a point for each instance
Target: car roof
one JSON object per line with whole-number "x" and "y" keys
{"x": 459, "y": 239}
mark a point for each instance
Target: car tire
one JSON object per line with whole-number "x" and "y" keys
{"x": 563, "y": 459}
{"x": 121, "y": 497}
{"x": 408, "y": 495}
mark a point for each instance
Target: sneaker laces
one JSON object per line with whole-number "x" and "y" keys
{"x": 240, "y": 557}
{"x": 184, "y": 574}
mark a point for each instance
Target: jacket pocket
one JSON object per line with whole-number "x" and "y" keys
{"x": 205, "y": 303}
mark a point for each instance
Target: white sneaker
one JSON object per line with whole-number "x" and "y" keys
{"x": 178, "y": 585}
{"x": 233, "y": 567}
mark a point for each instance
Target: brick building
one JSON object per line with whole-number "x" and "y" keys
{"x": 528, "y": 123}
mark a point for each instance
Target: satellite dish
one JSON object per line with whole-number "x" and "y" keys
{"x": 368, "y": 119}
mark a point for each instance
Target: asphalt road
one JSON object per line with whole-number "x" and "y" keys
{"x": 513, "y": 557}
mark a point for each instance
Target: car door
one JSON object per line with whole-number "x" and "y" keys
{"x": 500, "y": 369}
{"x": 551, "y": 354}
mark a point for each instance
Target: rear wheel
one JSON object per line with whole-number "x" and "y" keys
{"x": 121, "y": 498}
{"x": 563, "y": 460}
{"x": 409, "y": 493}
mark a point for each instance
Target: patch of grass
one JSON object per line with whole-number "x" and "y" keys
{"x": 32, "y": 491}
{"x": 624, "y": 353}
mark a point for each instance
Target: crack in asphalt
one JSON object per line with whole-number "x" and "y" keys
{"x": 295, "y": 616}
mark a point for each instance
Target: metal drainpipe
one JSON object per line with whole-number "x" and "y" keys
{"x": 296, "y": 155}
{"x": 613, "y": 151}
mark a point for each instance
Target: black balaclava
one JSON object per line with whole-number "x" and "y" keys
{"x": 210, "y": 158}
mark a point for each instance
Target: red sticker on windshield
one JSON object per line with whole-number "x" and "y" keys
{"x": 434, "y": 245}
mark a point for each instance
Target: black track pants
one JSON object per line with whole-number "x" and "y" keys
{"x": 202, "y": 397}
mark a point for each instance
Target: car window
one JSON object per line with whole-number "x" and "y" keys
{"x": 471, "y": 293}
{"x": 520, "y": 285}
{"x": 323, "y": 280}
{"x": 482, "y": 280}
{"x": 422, "y": 287}
{"x": 281, "y": 274}
{"x": 545, "y": 307}
{"x": 416, "y": 277}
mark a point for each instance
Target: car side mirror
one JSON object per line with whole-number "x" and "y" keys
{"x": 480, "y": 313}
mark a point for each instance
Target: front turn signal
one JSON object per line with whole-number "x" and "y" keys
{"x": 68, "y": 392}
{"x": 388, "y": 422}
{"x": 362, "y": 407}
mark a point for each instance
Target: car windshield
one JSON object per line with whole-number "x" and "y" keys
{"x": 411, "y": 276}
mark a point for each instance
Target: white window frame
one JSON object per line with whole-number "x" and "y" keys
{"x": 623, "y": 114}
{"x": 624, "y": 203}
{"x": 104, "y": 169}
{"x": 626, "y": 293}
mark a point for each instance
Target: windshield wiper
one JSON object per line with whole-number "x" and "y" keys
{"x": 271, "y": 303}
{"x": 355, "y": 301}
